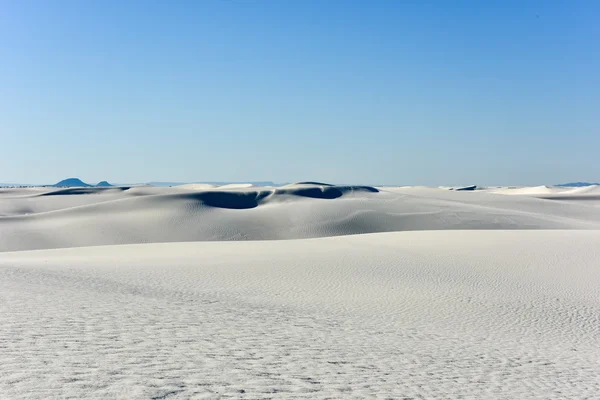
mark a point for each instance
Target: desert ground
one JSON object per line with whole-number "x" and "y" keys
{"x": 303, "y": 291}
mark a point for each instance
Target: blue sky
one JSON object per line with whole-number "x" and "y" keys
{"x": 382, "y": 92}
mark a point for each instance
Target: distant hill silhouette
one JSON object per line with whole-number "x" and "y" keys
{"x": 72, "y": 182}
{"x": 577, "y": 184}
{"x": 103, "y": 184}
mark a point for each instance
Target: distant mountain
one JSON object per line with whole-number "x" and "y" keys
{"x": 578, "y": 184}
{"x": 103, "y": 184}
{"x": 72, "y": 182}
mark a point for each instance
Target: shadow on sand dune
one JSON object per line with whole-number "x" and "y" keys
{"x": 239, "y": 200}
{"x": 313, "y": 183}
{"x": 79, "y": 191}
{"x": 572, "y": 197}
{"x": 325, "y": 191}
{"x": 231, "y": 200}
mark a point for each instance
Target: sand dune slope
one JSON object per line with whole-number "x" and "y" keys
{"x": 97, "y": 216}
{"x": 590, "y": 195}
{"x": 455, "y": 314}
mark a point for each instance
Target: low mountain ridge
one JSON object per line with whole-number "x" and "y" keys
{"x": 72, "y": 182}
{"x": 104, "y": 184}
{"x": 577, "y": 184}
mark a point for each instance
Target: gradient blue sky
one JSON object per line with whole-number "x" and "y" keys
{"x": 381, "y": 92}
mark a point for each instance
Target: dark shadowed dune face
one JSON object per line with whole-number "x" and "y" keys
{"x": 313, "y": 183}
{"x": 240, "y": 200}
{"x": 592, "y": 198}
{"x": 315, "y": 193}
{"x": 86, "y": 190}
{"x": 466, "y": 188}
{"x": 325, "y": 192}
{"x": 230, "y": 200}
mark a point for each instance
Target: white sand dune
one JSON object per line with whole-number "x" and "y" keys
{"x": 461, "y": 294}
{"x": 593, "y": 190}
{"x": 96, "y": 216}
{"x": 531, "y": 191}
{"x": 209, "y": 186}
{"x": 197, "y": 186}
{"x": 455, "y": 314}
{"x": 589, "y": 194}
{"x": 236, "y": 186}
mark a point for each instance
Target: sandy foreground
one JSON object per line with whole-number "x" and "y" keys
{"x": 377, "y": 293}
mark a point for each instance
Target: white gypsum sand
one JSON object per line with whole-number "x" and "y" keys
{"x": 96, "y": 216}
{"x": 456, "y": 306}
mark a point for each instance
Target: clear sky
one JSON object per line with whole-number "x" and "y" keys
{"x": 374, "y": 92}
